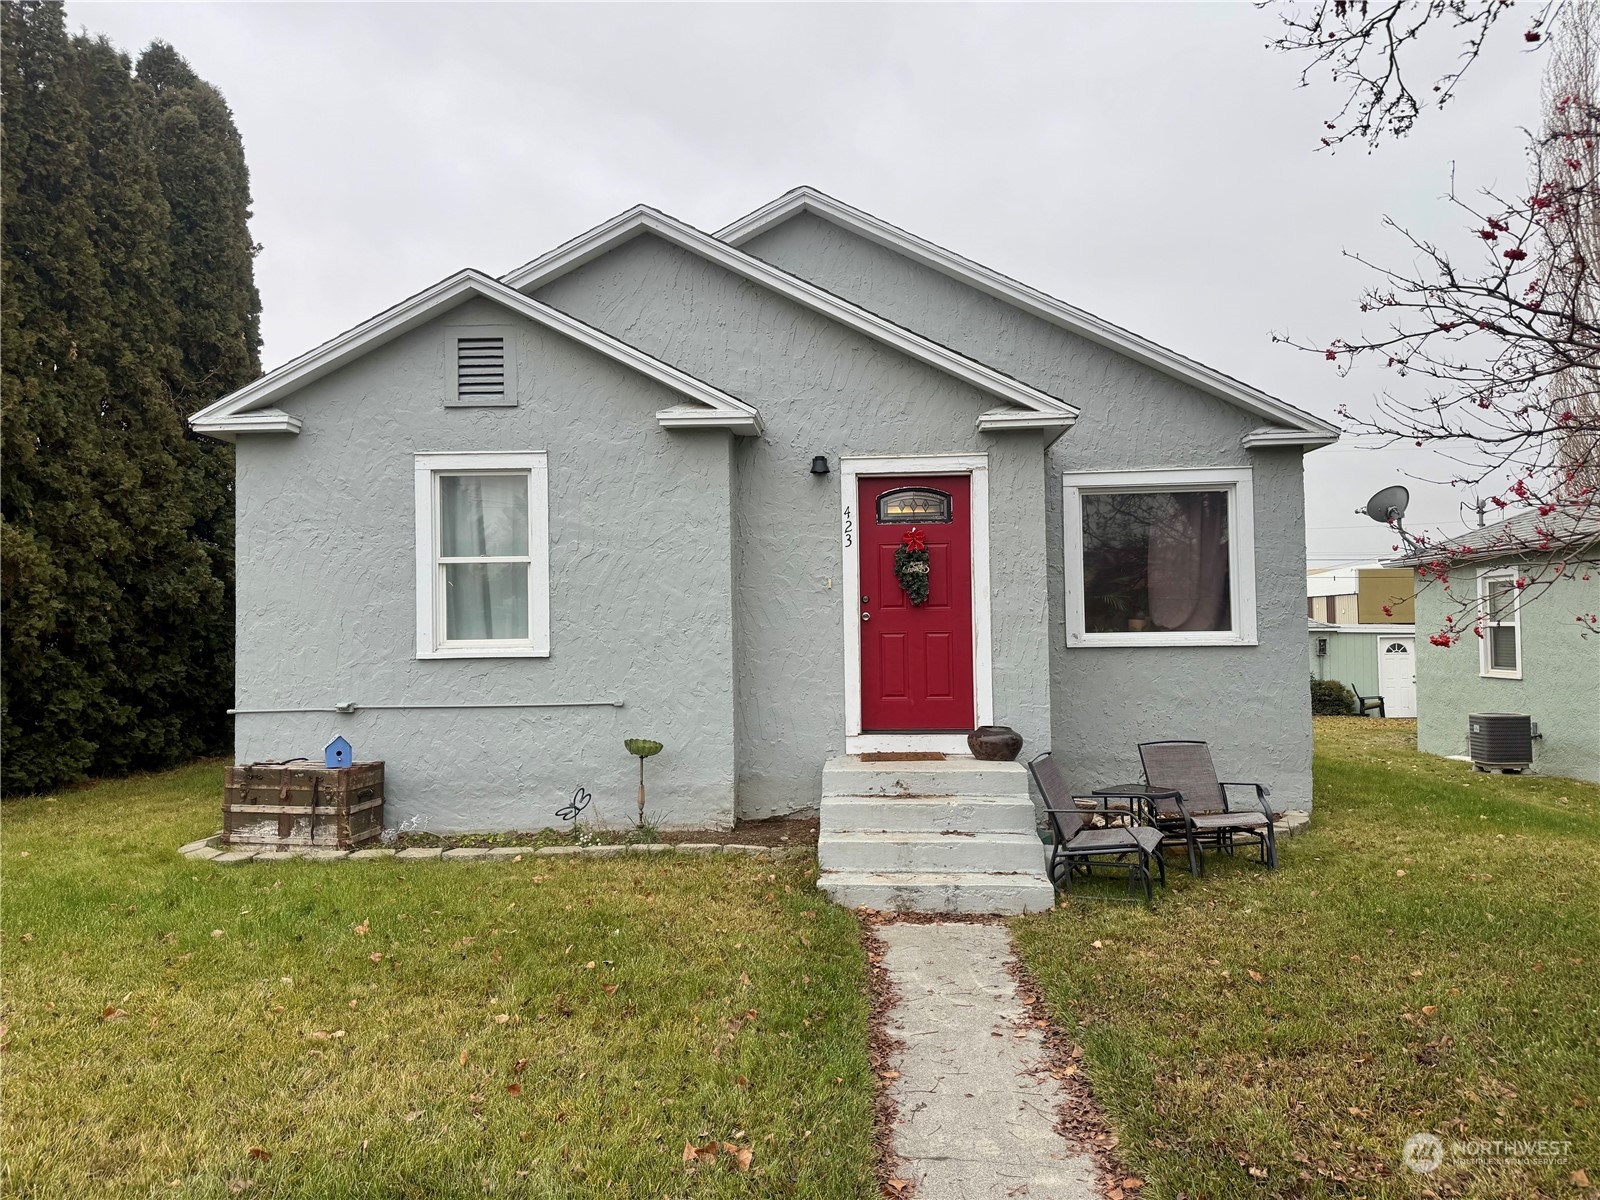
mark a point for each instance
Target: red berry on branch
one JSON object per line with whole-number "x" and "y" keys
{"x": 1515, "y": 254}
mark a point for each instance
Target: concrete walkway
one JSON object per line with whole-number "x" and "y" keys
{"x": 977, "y": 1105}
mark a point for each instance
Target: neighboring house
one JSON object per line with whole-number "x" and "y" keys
{"x": 1360, "y": 594}
{"x": 1361, "y": 632}
{"x": 652, "y": 485}
{"x": 1372, "y": 660}
{"x": 1539, "y": 651}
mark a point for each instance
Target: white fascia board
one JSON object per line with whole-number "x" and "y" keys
{"x": 261, "y": 420}
{"x": 1274, "y": 437}
{"x": 1029, "y": 300}
{"x": 243, "y": 411}
{"x": 998, "y": 420}
{"x": 642, "y": 220}
{"x": 688, "y": 416}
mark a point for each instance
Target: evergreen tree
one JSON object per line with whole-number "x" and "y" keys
{"x": 200, "y": 160}
{"x": 117, "y": 554}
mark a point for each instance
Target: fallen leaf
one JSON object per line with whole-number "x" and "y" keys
{"x": 888, "y": 1075}
{"x": 610, "y": 989}
{"x": 1580, "y": 1178}
{"x": 501, "y": 1018}
{"x": 361, "y": 929}
{"x": 899, "y": 1185}
{"x": 113, "y": 1013}
{"x": 589, "y": 966}
{"x": 519, "y": 1066}
{"x": 412, "y": 1115}
{"x": 1098, "y": 945}
{"x": 744, "y": 1156}
{"x": 1132, "y": 1183}
{"x": 1258, "y": 1172}
{"x": 514, "y": 1088}
{"x": 375, "y": 957}
{"x": 463, "y": 1058}
{"x": 1399, "y": 872}
{"x": 216, "y": 933}
{"x": 1429, "y": 1009}
{"x": 261, "y": 1155}
{"x": 1256, "y": 975}
{"x": 695, "y": 1155}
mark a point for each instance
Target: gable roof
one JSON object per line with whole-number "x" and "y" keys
{"x": 1038, "y": 409}
{"x": 250, "y": 408}
{"x": 1576, "y": 529}
{"x": 1291, "y": 426}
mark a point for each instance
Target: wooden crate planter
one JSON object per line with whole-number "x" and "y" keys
{"x": 302, "y": 805}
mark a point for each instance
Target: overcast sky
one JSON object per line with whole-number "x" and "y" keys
{"x": 1153, "y": 164}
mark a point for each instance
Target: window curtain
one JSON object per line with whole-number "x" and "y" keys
{"x": 485, "y": 516}
{"x": 1187, "y": 564}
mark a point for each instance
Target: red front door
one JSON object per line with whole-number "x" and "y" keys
{"x": 916, "y": 660}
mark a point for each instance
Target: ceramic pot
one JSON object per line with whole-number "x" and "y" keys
{"x": 995, "y": 743}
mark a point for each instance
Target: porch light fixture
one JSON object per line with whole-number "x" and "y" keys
{"x": 819, "y": 465}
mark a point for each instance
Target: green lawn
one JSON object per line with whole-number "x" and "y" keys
{"x": 1426, "y": 960}
{"x": 544, "y": 1028}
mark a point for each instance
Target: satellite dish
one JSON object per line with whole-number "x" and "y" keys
{"x": 1388, "y": 506}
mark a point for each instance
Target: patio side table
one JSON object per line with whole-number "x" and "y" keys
{"x": 1149, "y": 799}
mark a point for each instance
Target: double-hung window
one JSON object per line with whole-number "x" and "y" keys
{"x": 483, "y": 574}
{"x": 1160, "y": 558}
{"x": 1500, "y": 651}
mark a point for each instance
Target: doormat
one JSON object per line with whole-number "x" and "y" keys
{"x": 903, "y": 756}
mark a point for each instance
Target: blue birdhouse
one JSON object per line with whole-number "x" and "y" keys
{"x": 337, "y": 753}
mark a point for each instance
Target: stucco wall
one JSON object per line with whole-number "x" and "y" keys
{"x": 641, "y": 606}
{"x": 1559, "y": 688}
{"x": 1251, "y": 703}
{"x": 821, "y": 389}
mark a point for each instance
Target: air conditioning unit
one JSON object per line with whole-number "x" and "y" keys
{"x": 1500, "y": 741}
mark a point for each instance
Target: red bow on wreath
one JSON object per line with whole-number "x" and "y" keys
{"x": 913, "y": 539}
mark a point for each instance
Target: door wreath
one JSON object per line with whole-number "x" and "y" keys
{"x": 911, "y": 566}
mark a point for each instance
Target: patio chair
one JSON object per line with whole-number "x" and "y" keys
{"x": 1365, "y": 704}
{"x": 1203, "y": 813}
{"x": 1074, "y": 848}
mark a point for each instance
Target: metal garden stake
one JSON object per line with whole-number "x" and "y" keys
{"x": 643, "y": 748}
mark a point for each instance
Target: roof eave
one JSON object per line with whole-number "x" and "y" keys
{"x": 688, "y": 417}
{"x": 261, "y": 420}
{"x": 999, "y": 420}
{"x": 1275, "y": 437}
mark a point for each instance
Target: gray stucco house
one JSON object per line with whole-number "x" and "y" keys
{"x": 653, "y": 483}
{"x": 1539, "y": 649}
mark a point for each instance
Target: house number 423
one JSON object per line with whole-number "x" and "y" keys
{"x": 849, "y": 529}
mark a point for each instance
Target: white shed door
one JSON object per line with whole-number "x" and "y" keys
{"x": 1397, "y": 675}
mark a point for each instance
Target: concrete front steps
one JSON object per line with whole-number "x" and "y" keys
{"x": 951, "y": 836}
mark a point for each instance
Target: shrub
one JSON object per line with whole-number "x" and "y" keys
{"x": 1330, "y": 698}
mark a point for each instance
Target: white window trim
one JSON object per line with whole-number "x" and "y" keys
{"x": 453, "y": 336}
{"x": 1241, "y": 550}
{"x": 1486, "y": 668}
{"x": 852, "y": 468}
{"x": 430, "y": 609}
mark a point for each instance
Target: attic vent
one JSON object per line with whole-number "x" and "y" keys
{"x": 481, "y": 369}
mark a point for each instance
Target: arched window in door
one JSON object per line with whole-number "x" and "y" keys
{"x": 914, "y": 506}
{"x": 1397, "y": 648}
